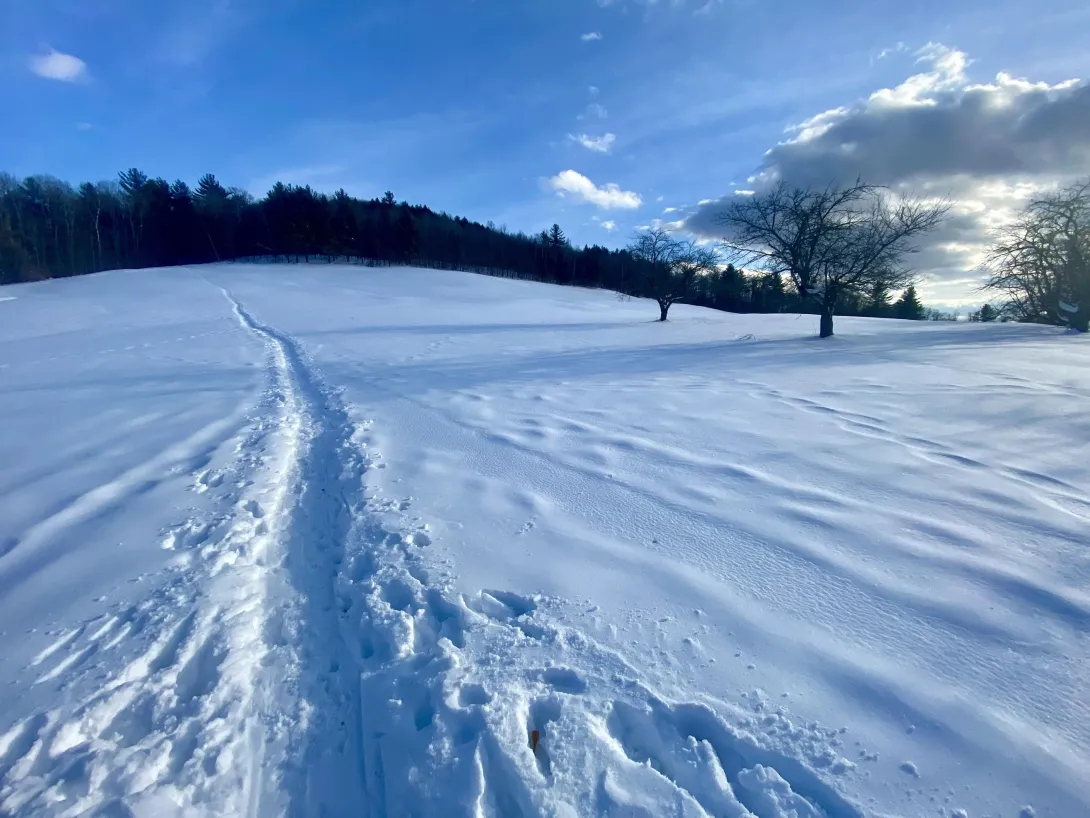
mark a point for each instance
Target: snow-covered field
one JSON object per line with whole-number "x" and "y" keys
{"x": 337, "y": 541}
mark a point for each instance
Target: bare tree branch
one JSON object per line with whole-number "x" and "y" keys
{"x": 830, "y": 241}
{"x": 1041, "y": 262}
{"x": 673, "y": 266}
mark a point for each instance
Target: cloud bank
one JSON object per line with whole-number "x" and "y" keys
{"x": 988, "y": 146}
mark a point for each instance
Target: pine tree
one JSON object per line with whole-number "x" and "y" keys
{"x": 132, "y": 181}
{"x": 988, "y": 313}
{"x": 388, "y": 197}
{"x": 877, "y": 304}
{"x": 405, "y": 236}
{"x": 557, "y": 237}
{"x": 909, "y": 305}
{"x": 210, "y": 192}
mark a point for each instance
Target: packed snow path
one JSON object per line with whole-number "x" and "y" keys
{"x": 316, "y": 641}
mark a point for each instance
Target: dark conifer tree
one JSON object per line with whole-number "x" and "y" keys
{"x": 557, "y": 239}
{"x": 908, "y": 306}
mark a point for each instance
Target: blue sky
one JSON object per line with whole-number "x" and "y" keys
{"x": 505, "y": 110}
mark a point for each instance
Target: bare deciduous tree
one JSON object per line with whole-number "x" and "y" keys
{"x": 672, "y": 266}
{"x": 831, "y": 242}
{"x": 1041, "y": 262}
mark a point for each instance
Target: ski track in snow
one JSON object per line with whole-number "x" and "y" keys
{"x": 302, "y": 657}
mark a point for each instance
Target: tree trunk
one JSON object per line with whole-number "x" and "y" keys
{"x": 664, "y": 307}
{"x": 826, "y": 321}
{"x": 1081, "y": 320}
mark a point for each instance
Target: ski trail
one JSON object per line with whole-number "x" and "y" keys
{"x": 163, "y": 704}
{"x": 308, "y": 692}
{"x": 387, "y": 692}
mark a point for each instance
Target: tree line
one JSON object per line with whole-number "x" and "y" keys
{"x": 50, "y": 229}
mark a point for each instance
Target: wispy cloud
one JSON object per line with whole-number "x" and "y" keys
{"x": 609, "y": 225}
{"x": 900, "y": 48}
{"x": 599, "y": 144}
{"x": 57, "y": 66}
{"x": 593, "y": 90}
{"x": 590, "y": 36}
{"x": 200, "y": 27}
{"x": 570, "y": 183}
{"x": 594, "y": 111}
{"x": 84, "y": 126}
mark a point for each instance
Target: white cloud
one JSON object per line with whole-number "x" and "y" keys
{"x": 590, "y": 36}
{"x": 609, "y": 196}
{"x": 84, "y": 126}
{"x": 609, "y": 225}
{"x": 599, "y": 144}
{"x": 57, "y": 66}
{"x": 947, "y": 74}
{"x": 593, "y": 90}
{"x": 815, "y": 126}
{"x": 663, "y": 224}
{"x": 900, "y": 48}
{"x": 594, "y": 111}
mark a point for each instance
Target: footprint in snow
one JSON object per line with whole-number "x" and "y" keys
{"x": 543, "y": 712}
{"x": 473, "y": 695}
{"x": 564, "y": 680}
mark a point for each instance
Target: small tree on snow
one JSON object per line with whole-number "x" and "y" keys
{"x": 672, "y": 267}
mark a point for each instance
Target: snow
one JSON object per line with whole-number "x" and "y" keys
{"x": 321, "y": 540}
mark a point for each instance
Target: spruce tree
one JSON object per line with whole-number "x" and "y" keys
{"x": 557, "y": 237}
{"x": 909, "y": 305}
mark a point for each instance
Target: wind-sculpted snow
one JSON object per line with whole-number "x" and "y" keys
{"x": 335, "y": 541}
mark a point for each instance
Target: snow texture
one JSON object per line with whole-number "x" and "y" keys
{"x": 337, "y": 541}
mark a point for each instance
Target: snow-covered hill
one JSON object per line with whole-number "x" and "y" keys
{"x": 338, "y": 541}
